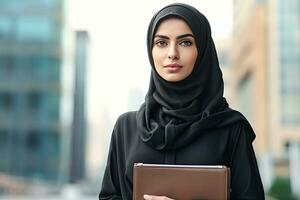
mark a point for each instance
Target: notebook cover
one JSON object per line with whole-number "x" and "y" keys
{"x": 181, "y": 182}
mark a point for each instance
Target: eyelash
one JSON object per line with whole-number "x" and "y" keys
{"x": 159, "y": 43}
{"x": 186, "y": 41}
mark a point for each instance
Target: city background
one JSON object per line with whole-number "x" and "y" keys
{"x": 69, "y": 68}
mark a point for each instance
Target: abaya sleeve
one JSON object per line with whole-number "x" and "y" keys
{"x": 245, "y": 179}
{"x": 110, "y": 185}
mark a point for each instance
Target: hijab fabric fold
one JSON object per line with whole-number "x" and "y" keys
{"x": 175, "y": 113}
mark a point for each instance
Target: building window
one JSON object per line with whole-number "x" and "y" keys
{"x": 34, "y": 101}
{"x": 53, "y": 144}
{"x": 6, "y": 101}
{"x": 4, "y": 151}
{"x": 33, "y": 140}
{"x": 245, "y": 97}
{"x": 291, "y": 109}
{"x": 53, "y": 106}
{"x": 5, "y": 28}
{"x": 3, "y": 139}
{"x": 289, "y": 63}
{"x": 6, "y": 65}
{"x": 34, "y": 29}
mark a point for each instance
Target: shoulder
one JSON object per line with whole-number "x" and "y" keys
{"x": 125, "y": 118}
{"x": 242, "y": 129}
{"x": 238, "y": 124}
{"x": 125, "y": 123}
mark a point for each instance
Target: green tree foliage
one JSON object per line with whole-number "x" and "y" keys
{"x": 281, "y": 190}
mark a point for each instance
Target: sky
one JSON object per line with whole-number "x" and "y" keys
{"x": 118, "y": 64}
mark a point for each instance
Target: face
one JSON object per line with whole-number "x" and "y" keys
{"x": 174, "y": 50}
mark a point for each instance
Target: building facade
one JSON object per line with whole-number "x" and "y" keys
{"x": 249, "y": 67}
{"x": 266, "y": 59}
{"x": 284, "y": 82}
{"x": 78, "y": 134}
{"x": 32, "y": 133}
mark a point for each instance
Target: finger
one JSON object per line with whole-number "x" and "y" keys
{"x": 153, "y": 197}
{"x": 149, "y": 197}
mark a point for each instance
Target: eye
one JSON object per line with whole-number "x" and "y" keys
{"x": 161, "y": 43}
{"x": 186, "y": 43}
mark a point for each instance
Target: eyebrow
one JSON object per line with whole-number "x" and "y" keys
{"x": 178, "y": 37}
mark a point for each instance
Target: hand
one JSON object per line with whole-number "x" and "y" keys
{"x": 152, "y": 197}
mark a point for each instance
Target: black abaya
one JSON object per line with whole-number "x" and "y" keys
{"x": 230, "y": 146}
{"x": 185, "y": 122}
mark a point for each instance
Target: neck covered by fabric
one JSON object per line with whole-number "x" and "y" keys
{"x": 174, "y": 113}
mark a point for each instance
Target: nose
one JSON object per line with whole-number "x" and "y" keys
{"x": 173, "y": 52}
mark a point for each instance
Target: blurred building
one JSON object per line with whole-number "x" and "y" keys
{"x": 266, "y": 63}
{"x": 249, "y": 65}
{"x": 284, "y": 55}
{"x": 223, "y": 48}
{"x": 78, "y": 141}
{"x": 35, "y": 102}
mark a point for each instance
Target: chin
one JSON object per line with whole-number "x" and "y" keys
{"x": 173, "y": 79}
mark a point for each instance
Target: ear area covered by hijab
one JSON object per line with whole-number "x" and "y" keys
{"x": 174, "y": 113}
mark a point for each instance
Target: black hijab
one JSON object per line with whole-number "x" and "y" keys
{"x": 174, "y": 113}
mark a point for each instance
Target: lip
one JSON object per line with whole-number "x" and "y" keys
{"x": 173, "y": 68}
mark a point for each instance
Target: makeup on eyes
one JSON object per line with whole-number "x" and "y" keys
{"x": 163, "y": 42}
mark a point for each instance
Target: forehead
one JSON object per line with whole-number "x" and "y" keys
{"x": 173, "y": 26}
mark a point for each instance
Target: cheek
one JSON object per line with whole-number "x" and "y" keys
{"x": 157, "y": 57}
{"x": 190, "y": 57}
{"x": 194, "y": 57}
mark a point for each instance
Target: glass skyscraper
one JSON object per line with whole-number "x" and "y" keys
{"x": 289, "y": 60}
{"x": 78, "y": 138}
{"x": 30, "y": 88}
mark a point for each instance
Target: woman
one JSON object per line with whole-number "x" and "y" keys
{"x": 185, "y": 118}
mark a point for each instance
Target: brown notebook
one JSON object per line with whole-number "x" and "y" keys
{"x": 181, "y": 182}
